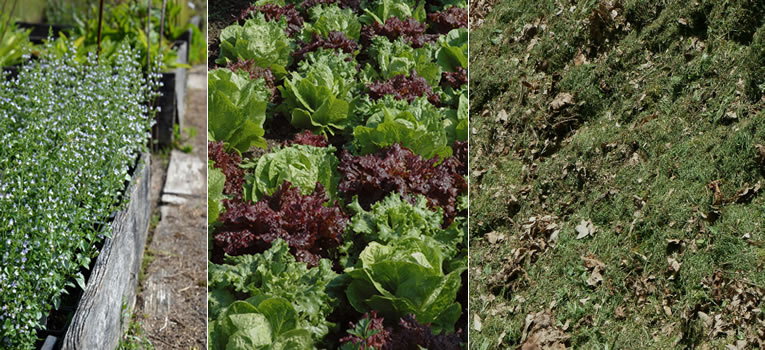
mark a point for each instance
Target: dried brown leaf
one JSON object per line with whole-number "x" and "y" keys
{"x": 595, "y": 278}
{"x": 563, "y": 99}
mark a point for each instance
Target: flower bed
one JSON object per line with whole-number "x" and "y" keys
{"x": 350, "y": 230}
{"x": 71, "y": 131}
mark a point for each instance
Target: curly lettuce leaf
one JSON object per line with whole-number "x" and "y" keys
{"x": 331, "y": 18}
{"x": 302, "y": 165}
{"x": 394, "y": 218}
{"x": 263, "y": 41}
{"x": 319, "y": 96}
{"x": 456, "y": 122}
{"x": 418, "y": 127}
{"x": 403, "y": 9}
{"x": 237, "y": 109}
{"x": 275, "y": 273}
{"x": 406, "y": 277}
{"x": 215, "y": 182}
{"x": 398, "y": 57}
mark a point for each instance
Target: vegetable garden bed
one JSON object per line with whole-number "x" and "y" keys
{"x": 337, "y": 191}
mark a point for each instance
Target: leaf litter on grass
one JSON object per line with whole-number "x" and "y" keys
{"x": 636, "y": 129}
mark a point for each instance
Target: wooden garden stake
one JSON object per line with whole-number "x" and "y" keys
{"x": 161, "y": 26}
{"x": 100, "y": 24}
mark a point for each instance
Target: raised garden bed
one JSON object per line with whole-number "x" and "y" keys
{"x": 98, "y": 320}
{"x": 73, "y": 202}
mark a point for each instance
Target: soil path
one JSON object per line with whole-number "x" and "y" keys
{"x": 172, "y": 302}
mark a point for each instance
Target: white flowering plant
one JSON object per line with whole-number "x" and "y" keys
{"x": 70, "y": 132}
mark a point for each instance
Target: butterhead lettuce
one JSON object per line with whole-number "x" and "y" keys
{"x": 237, "y": 109}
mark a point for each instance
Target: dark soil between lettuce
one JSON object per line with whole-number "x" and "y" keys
{"x": 221, "y": 14}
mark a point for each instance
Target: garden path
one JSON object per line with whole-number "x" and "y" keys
{"x": 172, "y": 302}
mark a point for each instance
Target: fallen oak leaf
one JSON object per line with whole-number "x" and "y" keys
{"x": 714, "y": 186}
{"x": 760, "y": 154}
{"x": 619, "y": 313}
{"x": 477, "y": 323}
{"x": 674, "y": 267}
{"x": 746, "y": 194}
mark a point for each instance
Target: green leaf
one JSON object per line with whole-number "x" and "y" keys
{"x": 264, "y": 42}
{"x": 394, "y": 218}
{"x": 275, "y": 273}
{"x": 419, "y": 127}
{"x": 384, "y": 9}
{"x": 453, "y": 52}
{"x": 280, "y": 313}
{"x": 80, "y": 279}
{"x": 237, "y": 109}
{"x": 405, "y": 277}
{"x": 398, "y": 57}
{"x": 319, "y": 96}
{"x": 456, "y": 123}
{"x": 302, "y": 165}
{"x": 215, "y": 182}
{"x": 329, "y": 18}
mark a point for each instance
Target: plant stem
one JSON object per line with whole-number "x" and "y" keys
{"x": 100, "y": 24}
{"x": 161, "y": 26}
{"x": 8, "y": 20}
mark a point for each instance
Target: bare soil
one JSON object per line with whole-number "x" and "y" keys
{"x": 221, "y": 14}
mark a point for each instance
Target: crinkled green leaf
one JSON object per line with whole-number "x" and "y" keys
{"x": 453, "y": 52}
{"x": 301, "y": 165}
{"x": 263, "y": 41}
{"x": 276, "y": 273}
{"x": 270, "y": 323}
{"x": 381, "y": 10}
{"x": 398, "y": 57}
{"x": 237, "y": 109}
{"x": 331, "y": 18}
{"x": 215, "y": 182}
{"x": 319, "y": 96}
{"x": 405, "y": 277}
{"x": 456, "y": 123}
{"x": 394, "y": 218}
{"x": 419, "y": 127}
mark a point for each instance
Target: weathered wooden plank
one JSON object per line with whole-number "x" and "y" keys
{"x": 97, "y": 322}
